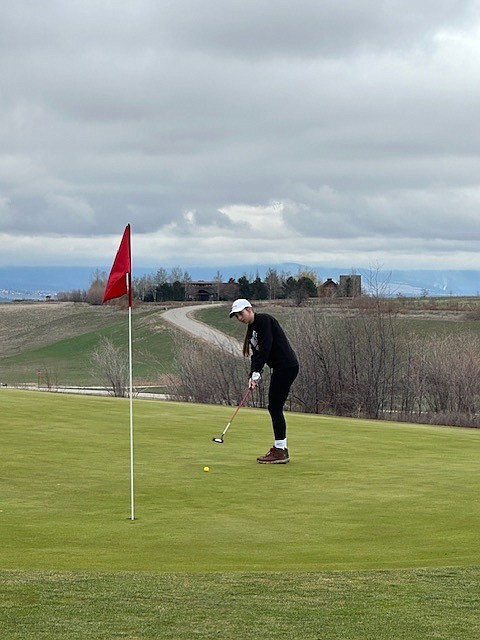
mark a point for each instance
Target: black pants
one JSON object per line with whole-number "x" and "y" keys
{"x": 280, "y": 383}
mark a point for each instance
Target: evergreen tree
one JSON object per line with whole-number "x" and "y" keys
{"x": 258, "y": 289}
{"x": 244, "y": 287}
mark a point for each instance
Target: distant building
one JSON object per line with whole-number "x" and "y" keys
{"x": 210, "y": 291}
{"x": 348, "y": 287}
{"x": 328, "y": 289}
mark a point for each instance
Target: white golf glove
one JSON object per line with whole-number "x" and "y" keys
{"x": 254, "y": 379}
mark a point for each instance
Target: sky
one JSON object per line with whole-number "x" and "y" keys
{"x": 241, "y": 132}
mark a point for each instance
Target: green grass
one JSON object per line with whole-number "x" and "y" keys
{"x": 358, "y": 494}
{"x": 423, "y": 326}
{"x": 69, "y": 361}
{"x": 435, "y": 327}
{"x": 350, "y": 540}
{"x": 217, "y": 316}
{"x": 387, "y": 605}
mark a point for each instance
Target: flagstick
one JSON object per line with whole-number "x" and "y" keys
{"x": 118, "y": 284}
{"x": 132, "y": 493}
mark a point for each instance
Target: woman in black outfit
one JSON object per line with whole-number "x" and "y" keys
{"x": 269, "y": 345}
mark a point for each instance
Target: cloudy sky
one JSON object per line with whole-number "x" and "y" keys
{"x": 339, "y": 132}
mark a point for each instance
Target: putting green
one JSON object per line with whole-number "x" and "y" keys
{"x": 358, "y": 494}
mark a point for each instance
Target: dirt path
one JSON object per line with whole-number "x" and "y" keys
{"x": 181, "y": 318}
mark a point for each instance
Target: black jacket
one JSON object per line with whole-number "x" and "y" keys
{"x": 269, "y": 344}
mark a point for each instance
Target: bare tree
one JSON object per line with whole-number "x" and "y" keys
{"x": 376, "y": 287}
{"x": 144, "y": 288}
{"x": 111, "y": 363}
{"x": 76, "y": 295}
{"x": 209, "y": 374}
{"x": 349, "y": 364}
{"x": 360, "y": 363}
{"x": 177, "y": 274}
{"x": 274, "y": 284}
{"x": 218, "y": 279}
{"x": 96, "y": 290}
{"x": 49, "y": 377}
{"x": 450, "y": 373}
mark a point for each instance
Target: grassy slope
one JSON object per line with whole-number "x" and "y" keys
{"x": 426, "y": 325}
{"x": 357, "y": 495}
{"x": 58, "y": 339}
{"x": 27, "y": 326}
{"x": 217, "y": 317}
{"x": 68, "y": 359}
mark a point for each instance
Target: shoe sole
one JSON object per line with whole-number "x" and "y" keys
{"x": 273, "y": 461}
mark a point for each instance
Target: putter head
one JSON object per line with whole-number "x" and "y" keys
{"x": 219, "y": 440}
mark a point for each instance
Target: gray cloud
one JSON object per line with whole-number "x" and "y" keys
{"x": 309, "y": 28}
{"x": 188, "y": 120}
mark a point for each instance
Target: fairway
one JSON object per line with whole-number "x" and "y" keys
{"x": 357, "y": 494}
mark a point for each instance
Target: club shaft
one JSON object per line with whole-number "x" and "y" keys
{"x": 242, "y": 402}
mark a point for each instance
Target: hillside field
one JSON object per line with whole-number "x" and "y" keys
{"x": 57, "y": 339}
{"x": 439, "y": 317}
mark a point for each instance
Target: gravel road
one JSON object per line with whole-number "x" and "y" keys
{"x": 181, "y": 318}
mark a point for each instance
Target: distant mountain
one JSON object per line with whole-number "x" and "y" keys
{"x": 50, "y": 279}
{"x": 433, "y": 283}
{"x": 38, "y": 282}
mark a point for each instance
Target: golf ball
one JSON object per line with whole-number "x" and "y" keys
{"x": 206, "y": 468}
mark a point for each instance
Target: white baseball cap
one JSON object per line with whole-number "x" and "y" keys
{"x": 239, "y": 305}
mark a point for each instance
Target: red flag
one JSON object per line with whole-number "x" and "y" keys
{"x": 121, "y": 271}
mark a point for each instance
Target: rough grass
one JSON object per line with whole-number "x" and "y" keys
{"x": 370, "y": 531}
{"x": 57, "y": 339}
{"x": 28, "y": 326}
{"x": 412, "y": 319}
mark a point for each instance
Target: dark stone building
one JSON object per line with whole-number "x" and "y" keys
{"x": 207, "y": 291}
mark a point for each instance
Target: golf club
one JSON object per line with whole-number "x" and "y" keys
{"x": 242, "y": 402}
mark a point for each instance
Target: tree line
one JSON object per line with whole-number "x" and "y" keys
{"x": 164, "y": 286}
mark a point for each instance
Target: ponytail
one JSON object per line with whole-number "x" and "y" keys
{"x": 246, "y": 346}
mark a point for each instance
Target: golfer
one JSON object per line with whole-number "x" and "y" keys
{"x": 269, "y": 345}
